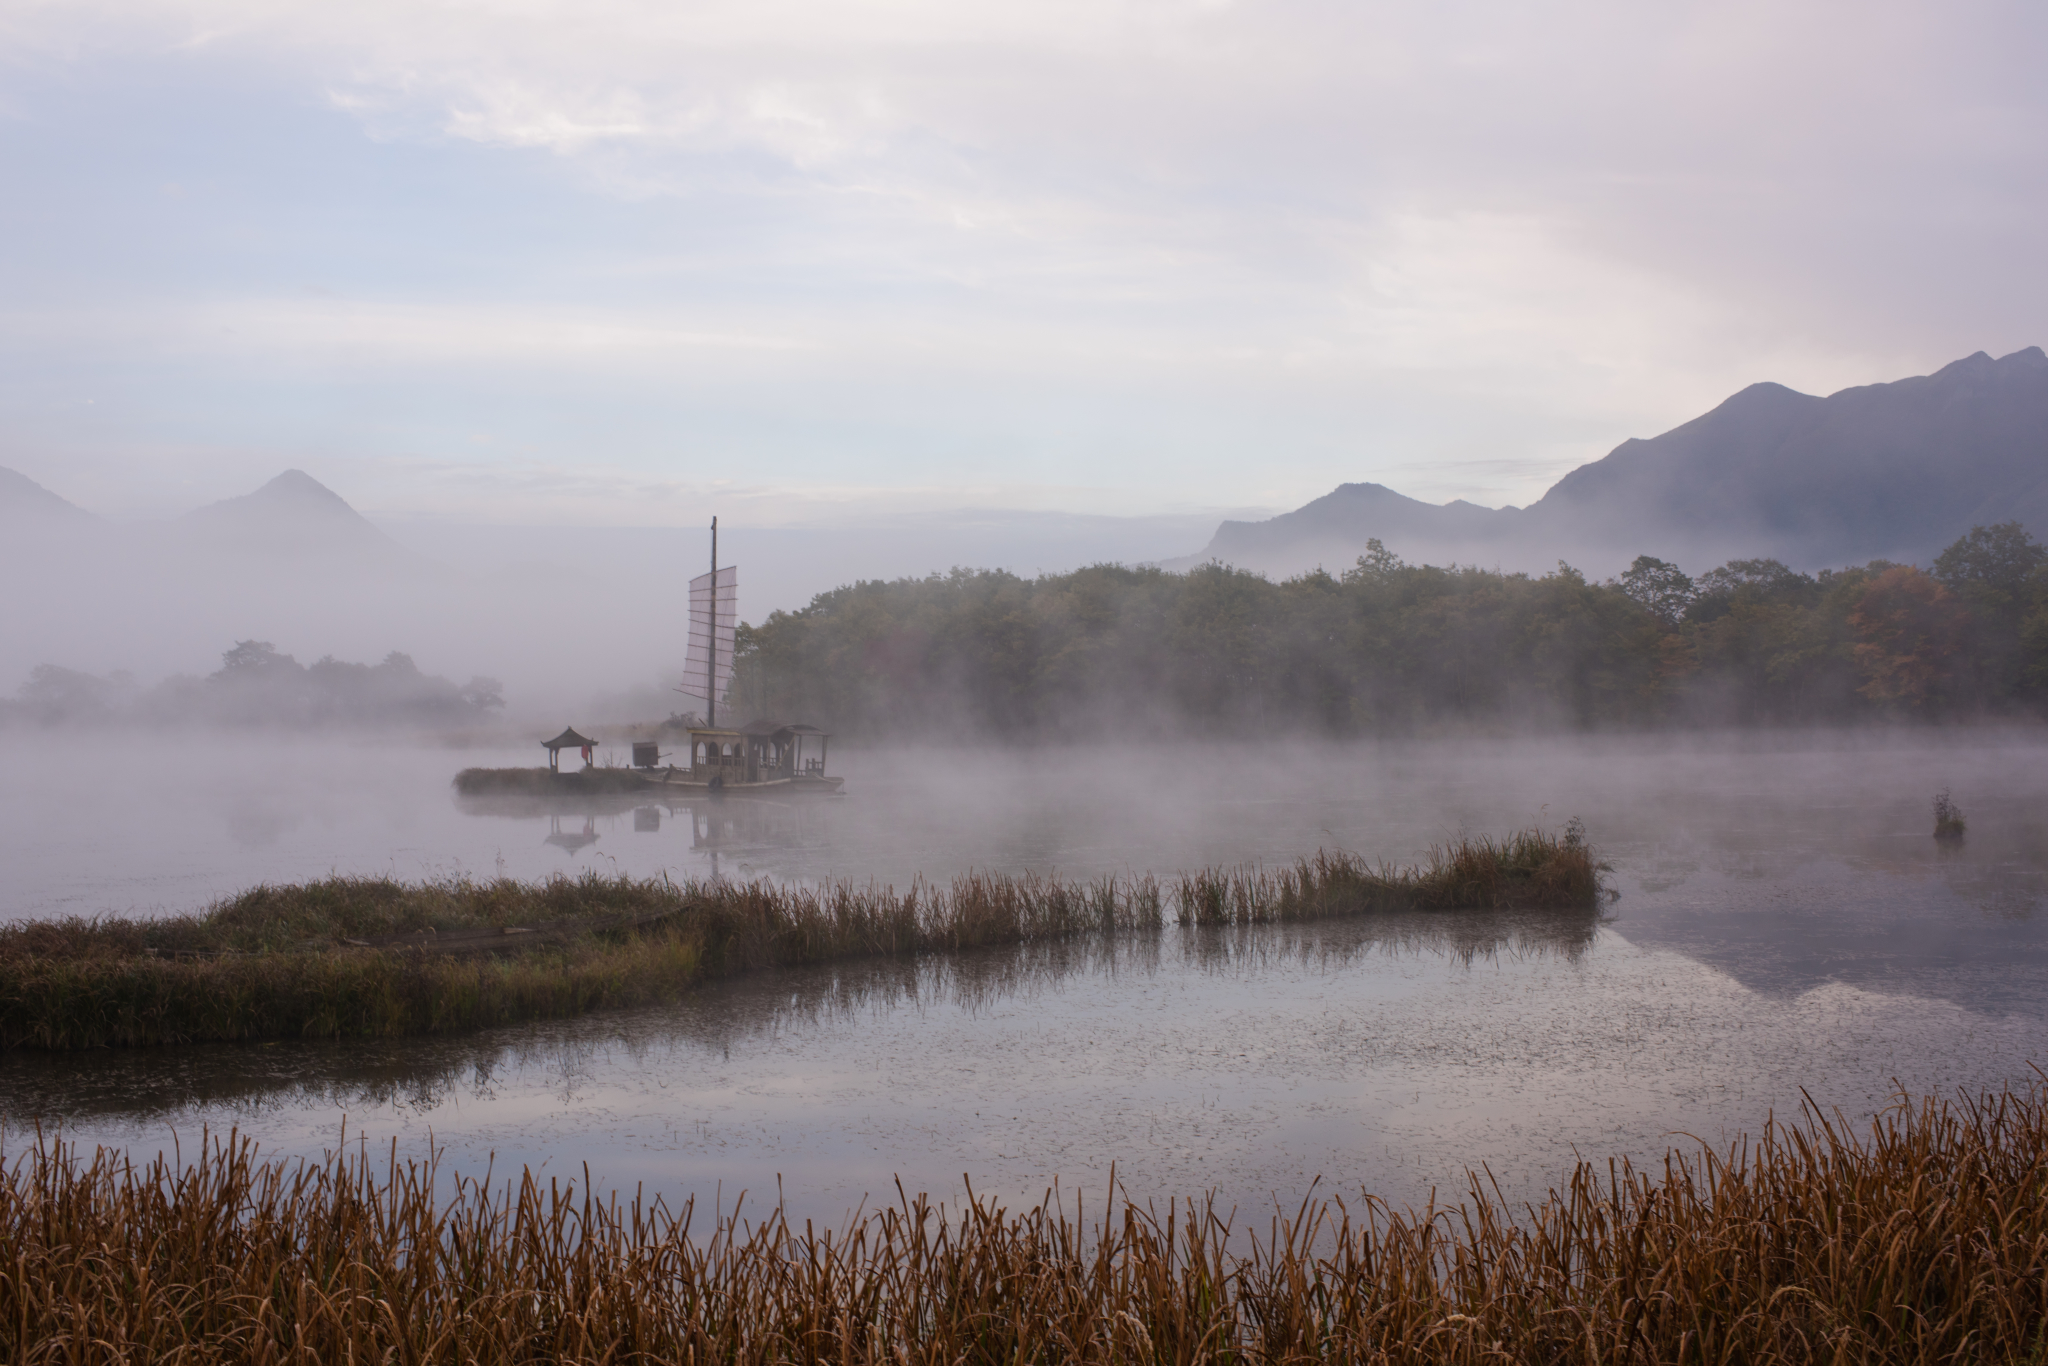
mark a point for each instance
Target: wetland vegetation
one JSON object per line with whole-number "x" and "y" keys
{"x": 544, "y": 782}
{"x": 1924, "y": 1239}
{"x": 350, "y": 957}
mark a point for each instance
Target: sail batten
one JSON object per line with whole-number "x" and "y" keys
{"x": 714, "y": 617}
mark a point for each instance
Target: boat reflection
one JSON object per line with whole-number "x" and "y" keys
{"x": 233, "y": 1083}
{"x": 718, "y": 825}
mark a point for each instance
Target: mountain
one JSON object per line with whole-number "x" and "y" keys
{"x": 294, "y": 514}
{"x": 22, "y": 499}
{"x": 1894, "y": 471}
{"x": 1333, "y": 530}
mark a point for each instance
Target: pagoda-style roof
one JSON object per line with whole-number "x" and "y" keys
{"x": 568, "y": 739}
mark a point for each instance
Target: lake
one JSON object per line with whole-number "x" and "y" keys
{"x": 1785, "y": 926}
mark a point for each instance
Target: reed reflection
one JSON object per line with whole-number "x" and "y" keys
{"x": 1466, "y": 938}
{"x": 228, "y": 1084}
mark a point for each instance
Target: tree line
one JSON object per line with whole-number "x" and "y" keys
{"x": 256, "y": 685}
{"x": 1387, "y": 647}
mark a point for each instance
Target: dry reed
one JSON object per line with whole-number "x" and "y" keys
{"x": 293, "y": 962}
{"x": 1924, "y": 1241}
{"x": 374, "y": 958}
{"x": 547, "y": 782}
{"x": 1531, "y": 870}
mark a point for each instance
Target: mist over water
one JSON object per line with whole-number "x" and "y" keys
{"x": 1785, "y": 921}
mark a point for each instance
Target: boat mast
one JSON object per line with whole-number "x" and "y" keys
{"x": 711, "y": 678}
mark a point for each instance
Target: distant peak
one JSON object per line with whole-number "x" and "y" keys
{"x": 2028, "y": 358}
{"x": 300, "y": 487}
{"x": 293, "y": 493}
{"x": 1763, "y": 396}
{"x": 1976, "y": 360}
{"x": 292, "y": 503}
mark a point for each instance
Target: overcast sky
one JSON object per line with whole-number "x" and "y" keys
{"x": 624, "y": 262}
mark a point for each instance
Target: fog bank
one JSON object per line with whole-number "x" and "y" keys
{"x": 588, "y": 622}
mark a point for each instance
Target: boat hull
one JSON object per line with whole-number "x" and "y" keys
{"x": 630, "y": 782}
{"x": 804, "y": 783}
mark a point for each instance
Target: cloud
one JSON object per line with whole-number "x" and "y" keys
{"x": 1386, "y": 234}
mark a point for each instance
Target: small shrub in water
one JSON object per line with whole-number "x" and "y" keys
{"x": 1948, "y": 817}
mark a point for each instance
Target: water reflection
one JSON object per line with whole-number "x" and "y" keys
{"x": 731, "y": 825}
{"x": 1898, "y": 915}
{"x": 236, "y": 1083}
{"x": 572, "y": 841}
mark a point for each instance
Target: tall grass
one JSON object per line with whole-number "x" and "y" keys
{"x": 548, "y": 782}
{"x": 373, "y": 958}
{"x": 1531, "y": 870}
{"x": 1923, "y": 1240}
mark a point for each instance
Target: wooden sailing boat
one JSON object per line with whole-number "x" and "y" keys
{"x": 761, "y": 757}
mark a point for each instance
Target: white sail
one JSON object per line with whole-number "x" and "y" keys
{"x": 707, "y": 671}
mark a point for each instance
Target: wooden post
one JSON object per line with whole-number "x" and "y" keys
{"x": 711, "y": 675}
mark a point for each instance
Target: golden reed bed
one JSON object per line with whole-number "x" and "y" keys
{"x": 1923, "y": 1240}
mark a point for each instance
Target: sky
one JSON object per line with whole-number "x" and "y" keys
{"x": 630, "y": 263}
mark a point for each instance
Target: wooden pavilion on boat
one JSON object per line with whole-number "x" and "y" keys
{"x": 758, "y": 752}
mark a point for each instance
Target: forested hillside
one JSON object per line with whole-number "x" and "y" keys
{"x": 1391, "y": 648}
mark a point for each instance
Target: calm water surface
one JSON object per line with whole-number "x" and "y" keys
{"x": 1784, "y": 922}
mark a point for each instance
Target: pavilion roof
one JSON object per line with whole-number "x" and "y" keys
{"x": 568, "y": 739}
{"x": 779, "y": 728}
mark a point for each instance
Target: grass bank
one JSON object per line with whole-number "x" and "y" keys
{"x": 1532, "y": 869}
{"x": 1923, "y": 1240}
{"x": 373, "y": 958}
{"x": 547, "y": 782}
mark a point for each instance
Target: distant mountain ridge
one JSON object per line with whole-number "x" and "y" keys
{"x": 23, "y": 499}
{"x": 1894, "y": 471}
{"x": 1334, "y": 528}
{"x": 293, "y": 514}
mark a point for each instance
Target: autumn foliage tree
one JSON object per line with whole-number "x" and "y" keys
{"x": 1909, "y": 629}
